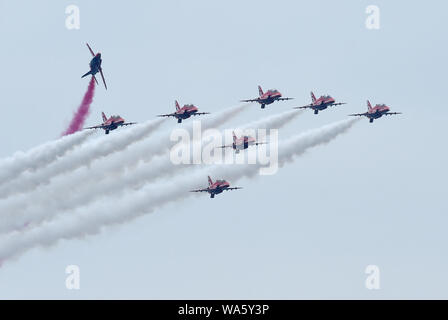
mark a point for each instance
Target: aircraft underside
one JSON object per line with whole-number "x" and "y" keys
{"x": 319, "y": 108}
{"x": 110, "y": 128}
{"x": 266, "y": 102}
{"x": 182, "y": 117}
{"x": 374, "y": 116}
{"x": 215, "y": 192}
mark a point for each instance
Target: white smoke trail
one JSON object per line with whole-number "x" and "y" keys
{"x": 39, "y": 157}
{"x": 137, "y": 151}
{"x": 223, "y": 116}
{"x": 145, "y": 150}
{"x": 90, "y": 220}
{"x": 71, "y": 191}
{"x": 96, "y": 149}
{"x": 275, "y": 121}
{"x": 163, "y": 145}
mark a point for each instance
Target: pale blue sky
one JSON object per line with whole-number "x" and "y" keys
{"x": 373, "y": 196}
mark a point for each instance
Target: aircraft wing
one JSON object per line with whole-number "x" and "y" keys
{"x": 167, "y": 115}
{"x": 358, "y": 114}
{"x": 102, "y": 76}
{"x": 96, "y": 127}
{"x": 284, "y": 99}
{"x": 225, "y": 146}
{"x": 200, "y": 190}
{"x": 392, "y": 113}
{"x": 90, "y": 49}
{"x": 127, "y": 124}
{"x": 304, "y": 107}
{"x": 339, "y": 103}
{"x": 199, "y": 113}
{"x": 233, "y": 188}
{"x": 251, "y": 100}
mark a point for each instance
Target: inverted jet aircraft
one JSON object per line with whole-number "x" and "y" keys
{"x": 95, "y": 66}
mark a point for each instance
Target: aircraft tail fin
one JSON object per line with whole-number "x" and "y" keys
{"x": 177, "y": 105}
{"x": 313, "y": 97}
{"x": 104, "y": 116}
{"x": 210, "y": 182}
{"x": 369, "y": 106}
{"x": 260, "y": 91}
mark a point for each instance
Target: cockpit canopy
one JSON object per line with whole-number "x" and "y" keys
{"x": 220, "y": 181}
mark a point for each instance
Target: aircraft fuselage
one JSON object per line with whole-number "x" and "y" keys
{"x": 185, "y": 115}
{"x": 322, "y": 106}
{"x": 217, "y": 189}
{"x": 112, "y": 126}
{"x": 95, "y": 64}
{"x": 242, "y": 145}
{"x": 376, "y": 114}
{"x": 268, "y": 99}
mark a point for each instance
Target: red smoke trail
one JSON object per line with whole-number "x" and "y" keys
{"x": 83, "y": 110}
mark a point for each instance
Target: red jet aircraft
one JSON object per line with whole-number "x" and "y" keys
{"x": 216, "y": 187}
{"x": 95, "y": 66}
{"x": 320, "y": 104}
{"x": 111, "y": 124}
{"x": 376, "y": 112}
{"x": 268, "y": 97}
{"x": 183, "y": 113}
{"x": 242, "y": 143}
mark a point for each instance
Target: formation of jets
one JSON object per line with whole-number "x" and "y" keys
{"x": 242, "y": 143}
